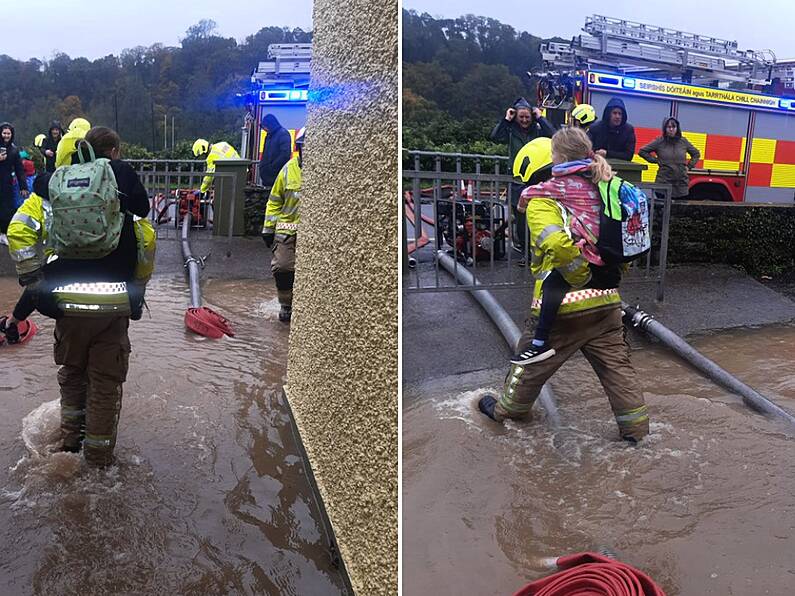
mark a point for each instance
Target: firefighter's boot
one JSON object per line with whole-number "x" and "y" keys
{"x": 284, "y": 292}
{"x": 285, "y": 313}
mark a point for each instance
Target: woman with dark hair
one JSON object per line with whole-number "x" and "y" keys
{"x": 10, "y": 164}
{"x": 669, "y": 152}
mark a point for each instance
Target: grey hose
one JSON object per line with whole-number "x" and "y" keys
{"x": 503, "y": 322}
{"x": 191, "y": 264}
{"x": 641, "y": 320}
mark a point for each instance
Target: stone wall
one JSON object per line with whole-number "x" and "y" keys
{"x": 757, "y": 238}
{"x": 343, "y": 355}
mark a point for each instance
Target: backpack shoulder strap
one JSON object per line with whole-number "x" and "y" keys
{"x": 610, "y": 192}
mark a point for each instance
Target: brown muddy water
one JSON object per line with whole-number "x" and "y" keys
{"x": 706, "y": 505}
{"x": 208, "y": 495}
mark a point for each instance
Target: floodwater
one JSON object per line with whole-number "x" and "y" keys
{"x": 209, "y": 494}
{"x": 704, "y": 505}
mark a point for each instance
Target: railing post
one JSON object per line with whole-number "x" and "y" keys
{"x": 417, "y": 193}
{"x": 664, "y": 244}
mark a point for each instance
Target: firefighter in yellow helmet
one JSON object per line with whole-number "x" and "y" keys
{"x": 583, "y": 115}
{"x": 587, "y": 320}
{"x": 213, "y": 153}
{"x": 533, "y": 162}
{"x": 280, "y": 229}
{"x": 66, "y": 153}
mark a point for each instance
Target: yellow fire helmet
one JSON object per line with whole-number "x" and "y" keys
{"x": 534, "y": 156}
{"x": 80, "y": 124}
{"x": 584, "y": 114}
{"x": 200, "y": 147}
{"x": 39, "y": 140}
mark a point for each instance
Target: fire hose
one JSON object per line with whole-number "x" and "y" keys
{"x": 503, "y": 322}
{"x": 641, "y": 320}
{"x": 594, "y": 575}
{"x": 200, "y": 319}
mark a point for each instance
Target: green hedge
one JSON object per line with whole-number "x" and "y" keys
{"x": 760, "y": 239}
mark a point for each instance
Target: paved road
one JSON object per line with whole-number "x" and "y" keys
{"x": 447, "y": 333}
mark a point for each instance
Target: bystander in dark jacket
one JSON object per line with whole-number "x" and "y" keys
{"x": 613, "y": 137}
{"x": 522, "y": 123}
{"x": 277, "y": 151}
{"x": 10, "y": 165}
{"x": 50, "y": 146}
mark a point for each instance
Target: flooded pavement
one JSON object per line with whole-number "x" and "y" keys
{"x": 209, "y": 494}
{"x": 705, "y": 504}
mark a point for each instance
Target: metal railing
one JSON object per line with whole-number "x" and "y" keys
{"x": 469, "y": 215}
{"x": 163, "y": 180}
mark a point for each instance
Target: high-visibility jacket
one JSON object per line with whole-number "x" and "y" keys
{"x": 67, "y": 147}
{"x": 218, "y": 151}
{"x": 281, "y": 214}
{"x": 27, "y": 239}
{"x": 27, "y": 234}
{"x": 554, "y": 249}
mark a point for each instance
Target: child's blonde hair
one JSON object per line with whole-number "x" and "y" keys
{"x": 571, "y": 144}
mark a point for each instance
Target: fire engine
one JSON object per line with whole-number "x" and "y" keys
{"x": 729, "y": 106}
{"x": 280, "y": 87}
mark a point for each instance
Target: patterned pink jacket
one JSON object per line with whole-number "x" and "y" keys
{"x": 581, "y": 201}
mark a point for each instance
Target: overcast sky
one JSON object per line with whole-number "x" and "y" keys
{"x": 764, "y": 24}
{"x": 96, "y": 28}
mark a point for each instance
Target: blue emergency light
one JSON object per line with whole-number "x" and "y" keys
{"x": 282, "y": 95}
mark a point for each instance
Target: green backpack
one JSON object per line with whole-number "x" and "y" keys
{"x": 86, "y": 214}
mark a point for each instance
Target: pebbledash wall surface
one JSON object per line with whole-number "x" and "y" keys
{"x": 343, "y": 355}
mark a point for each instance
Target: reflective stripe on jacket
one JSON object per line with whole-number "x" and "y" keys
{"x": 218, "y": 151}
{"x": 282, "y": 212}
{"x": 27, "y": 234}
{"x": 553, "y": 248}
{"x": 93, "y": 299}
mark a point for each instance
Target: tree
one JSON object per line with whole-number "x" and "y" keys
{"x": 69, "y": 109}
{"x": 196, "y": 82}
{"x": 459, "y": 75}
{"x": 204, "y": 29}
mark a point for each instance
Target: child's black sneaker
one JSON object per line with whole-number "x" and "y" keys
{"x": 533, "y": 354}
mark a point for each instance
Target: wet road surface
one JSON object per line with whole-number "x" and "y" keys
{"x": 209, "y": 494}
{"x": 705, "y": 504}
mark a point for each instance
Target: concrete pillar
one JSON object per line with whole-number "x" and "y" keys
{"x": 342, "y": 368}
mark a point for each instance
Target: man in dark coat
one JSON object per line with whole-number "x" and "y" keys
{"x": 50, "y": 146}
{"x": 612, "y": 136}
{"x": 277, "y": 151}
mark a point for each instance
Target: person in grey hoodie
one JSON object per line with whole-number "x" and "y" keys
{"x": 522, "y": 124}
{"x": 670, "y": 152}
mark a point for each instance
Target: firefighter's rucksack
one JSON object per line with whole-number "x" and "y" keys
{"x": 624, "y": 233}
{"x": 86, "y": 214}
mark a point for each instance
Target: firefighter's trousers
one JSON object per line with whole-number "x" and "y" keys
{"x": 93, "y": 353}
{"x": 599, "y": 334}
{"x": 283, "y": 267}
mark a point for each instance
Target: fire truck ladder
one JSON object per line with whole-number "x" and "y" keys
{"x": 635, "y": 47}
